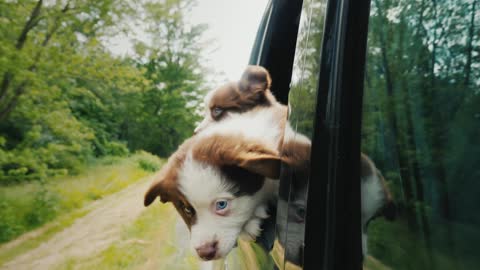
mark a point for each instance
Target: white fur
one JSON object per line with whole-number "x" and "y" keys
{"x": 202, "y": 185}
{"x": 261, "y": 125}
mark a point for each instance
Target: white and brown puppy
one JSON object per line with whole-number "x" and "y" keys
{"x": 221, "y": 179}
{"x": 229, "y": 102}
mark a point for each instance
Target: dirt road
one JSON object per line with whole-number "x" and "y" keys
{"x": 89, "y": 234}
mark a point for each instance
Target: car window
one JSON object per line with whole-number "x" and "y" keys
{"x": 421, "y": 129}
{"x": 291, "y": 209}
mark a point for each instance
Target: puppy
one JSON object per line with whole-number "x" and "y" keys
{"x": 234, "y": 99}
{"x": 222, "y": 178}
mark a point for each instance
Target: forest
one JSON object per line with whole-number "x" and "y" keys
{"x": 421, "y": 124}
{"x": 68, "y": 100}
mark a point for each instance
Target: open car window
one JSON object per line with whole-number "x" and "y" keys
{"x": 292, "y": 201}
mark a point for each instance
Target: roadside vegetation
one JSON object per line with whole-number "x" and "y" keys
{"x": 29, "y": 206}
{"x": 150, "y": 242}
{"x": 156, "y": 240}
{"x": 77, "y": 118}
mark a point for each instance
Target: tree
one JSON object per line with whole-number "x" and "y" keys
{"x": 172, "y": 60}
{"x": 66, "y": 99}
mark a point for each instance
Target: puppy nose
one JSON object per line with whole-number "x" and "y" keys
{"x": 207, "y": 251}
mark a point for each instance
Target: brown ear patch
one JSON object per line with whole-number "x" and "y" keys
{"x": 252, "y": 90}
{"x": 165, "y": 183}
{"x": 296, "y": 155}
{"x": 238, "y": 151}
{"x": 185, "y": 209}
{"x": 267, "y": 165}
{"x": 255, "y": 78}
{"x": 156, "y": 190}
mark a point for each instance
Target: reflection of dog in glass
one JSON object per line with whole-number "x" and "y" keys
{"x": 235, "y": 99}
{"x": 376, "y": 197}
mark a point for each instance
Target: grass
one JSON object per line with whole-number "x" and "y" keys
{"x": 58, "y": 202}
{"x": 11, "y": 250}
{"x": 150, "y": 242}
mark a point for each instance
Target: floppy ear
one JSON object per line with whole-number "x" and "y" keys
{"x": 237, "y": 151}
{"x": 158, "y": 189}
{"x": 254, "y": 79}
{"x": 166, "y": 181}
{"x": 267, "y": 165}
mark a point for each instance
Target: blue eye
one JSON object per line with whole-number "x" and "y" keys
{"x": 220, "y": 205}
{"x": 217, "y": 111}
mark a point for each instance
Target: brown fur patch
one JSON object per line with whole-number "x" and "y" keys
{"x": 246, "y": 183}
{"x": 185, "y": 209}
{"x": 235, "y": 150}
{"x": 230, "y": 98}
{"x": 297, "y": 155}
{"x": 165, "y": 182}
{"x": 252, "y": 90}
{"x": 165, "y": 185}
{"x": 255, "y": 78}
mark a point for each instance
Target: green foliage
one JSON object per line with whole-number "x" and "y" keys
{"x": 9, "y": 225}
{"x": 45, "y": 207}
{"x": 303, "y": 94}
{"x": 66, "y": 99}
{"x": 147, "y": 165}
{"x": 30, "y": 205}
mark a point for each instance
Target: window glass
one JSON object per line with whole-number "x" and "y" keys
{"x": 421, "y": 128}
{"x": 291, "y": 209}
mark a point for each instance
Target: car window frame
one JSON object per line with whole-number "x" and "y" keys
{"x": 333, "y": 226}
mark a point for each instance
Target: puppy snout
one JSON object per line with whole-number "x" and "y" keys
{"x": 207, "y": 251}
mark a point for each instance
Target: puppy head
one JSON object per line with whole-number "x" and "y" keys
{"x": 218, "y": 186}
{"x": 252, "y": 90}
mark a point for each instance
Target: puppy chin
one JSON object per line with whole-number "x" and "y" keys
{"x": 225, "y": 248}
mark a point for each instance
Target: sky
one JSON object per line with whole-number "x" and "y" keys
{"x": 232, "y": 27}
